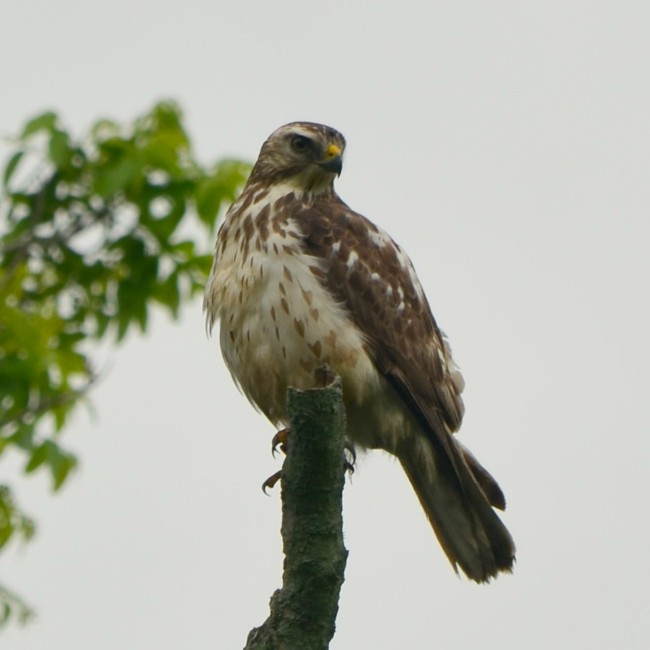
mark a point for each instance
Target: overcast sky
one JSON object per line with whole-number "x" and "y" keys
{"x": 505, "y": 146}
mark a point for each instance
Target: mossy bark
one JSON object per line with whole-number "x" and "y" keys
{"x": 303, "y": 611}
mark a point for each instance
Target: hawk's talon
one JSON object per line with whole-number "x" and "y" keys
{"x": 280, "y": 439}
{"x": 271, "y": 481}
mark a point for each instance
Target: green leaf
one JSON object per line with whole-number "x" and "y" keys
{"x": 209, "y": 196}
{"x": 61, "y": 464}
{"x": 186, "y": 248}
{"x": 168, "y": 115}
{"x": 23, "y": 438}
{"x": 203, "y": 263}
{"x": 11, "y": 166}
{"x": 12, "y": 520}
{"x": 114, "y": 177}
{"x": 44, "y": 121}
{"x": 167, "y": 293}
{"x": 162, "y": 152}
{"x": 101, "y": 323}
{"x": 59, "y": 148}
{"x": 132, "y": 298}
{"x": 6, "y": 519}
{"x": 221, "y": 185}
{"x": 38, "y": 457}
{"x": 123, "y": 322}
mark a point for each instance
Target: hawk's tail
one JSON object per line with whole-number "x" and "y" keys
{"x": 458, "y": 507}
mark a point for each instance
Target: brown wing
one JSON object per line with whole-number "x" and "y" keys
{"x": 373, "y": 278}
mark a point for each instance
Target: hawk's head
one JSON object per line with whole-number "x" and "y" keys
{"x": 306, "y": 154}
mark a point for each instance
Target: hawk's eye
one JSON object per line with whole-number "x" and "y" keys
{"x": 300, "y": 143}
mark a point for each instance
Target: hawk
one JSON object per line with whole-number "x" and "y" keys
{"x": 300, "y": 280}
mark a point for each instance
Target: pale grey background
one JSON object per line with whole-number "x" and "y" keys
{"x": 505, "y": 145}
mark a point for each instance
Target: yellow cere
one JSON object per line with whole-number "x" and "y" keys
{"x": 332, "y": 151}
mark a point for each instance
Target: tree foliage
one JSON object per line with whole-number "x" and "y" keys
{"x": 94, "y": 231}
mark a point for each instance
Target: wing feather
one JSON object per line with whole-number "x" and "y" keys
{"x": 370, "y": 275}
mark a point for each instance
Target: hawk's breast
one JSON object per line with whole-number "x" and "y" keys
{"x": 278, "y": 321}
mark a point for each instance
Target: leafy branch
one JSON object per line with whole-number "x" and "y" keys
{"x": 94, "y": 231}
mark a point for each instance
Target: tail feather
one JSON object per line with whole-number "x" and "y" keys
{"x": 485, "y": 480}
{"x": 469, "y": 531}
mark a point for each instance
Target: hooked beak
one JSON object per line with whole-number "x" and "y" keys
{"x": 333, "y": 160}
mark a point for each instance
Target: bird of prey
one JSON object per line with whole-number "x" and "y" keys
{"x": 300, "y": 280}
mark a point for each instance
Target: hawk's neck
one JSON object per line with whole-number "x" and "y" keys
{"x": 297, "y": 188}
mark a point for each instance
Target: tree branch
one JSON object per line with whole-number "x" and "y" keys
{"x": 303, "y": 611}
